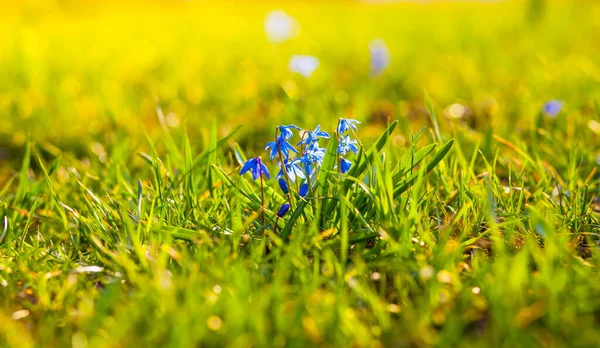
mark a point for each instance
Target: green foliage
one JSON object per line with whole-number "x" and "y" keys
{"x": 468, "y": 218}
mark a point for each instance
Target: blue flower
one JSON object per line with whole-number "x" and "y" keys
{"x": 256, "y": 167}
{"x": 303, "y": 190}
{"x": 283, "y": 185}
{"x": 286, "y": 132}
{"x": 314, "y": 136}
{"x": 552, "y": 108}
{"x": 283, "y": 210}
{"x": 280, "y": 145}
{"x": 380, "y": 57}
{"x": 347, "y": 144}
{"x": 345, "y": 165}
{"x": 303, "y": 65}
{"x": 345, "y": 124}
{"x": 313, "y": 156}
{"x": 293, "y": 170}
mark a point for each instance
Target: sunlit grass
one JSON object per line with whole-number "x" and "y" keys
{"x": 470, "y": 217}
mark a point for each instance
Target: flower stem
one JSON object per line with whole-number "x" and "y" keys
{"x": 262, "y": 193}
{"x": 284, "y": 169}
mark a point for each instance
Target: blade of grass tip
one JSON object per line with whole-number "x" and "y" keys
{"x": 132, "y": 236}
{"x": 24, "y": 174}
{"x": 53, "y": 193}
{"x": 54, "y": 165}
{"x": 413, "y": 215}
{"x": 140, "y": 197}
{"x": 239, "y": 154}
{"x": 433, "y": 116}
{"x": 189, "y": 188}
{"x": 437, "y": 158}
{"x": 155, "y": 163}
{"x": 410, "y": 160}
{"x": 170, "y": 143}
{"x": 6, "y": 187}
{"x": 23, "y": 231}
{"x": 205, "y": 154}
{"x": 212, "y": 157}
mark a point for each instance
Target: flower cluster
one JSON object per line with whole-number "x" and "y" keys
{"x": 299, "y": 164}
{"x": 345, "y": 143}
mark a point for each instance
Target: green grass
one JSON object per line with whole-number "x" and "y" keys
{"x": 124, "y": 220}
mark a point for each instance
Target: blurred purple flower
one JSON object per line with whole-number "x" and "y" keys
{"x": 380, "y": 57}
{"x": 303, "y": 65}
{"x": 552, "y": 108}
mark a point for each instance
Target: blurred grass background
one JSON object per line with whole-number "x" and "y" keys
{"x": 75, "y": 72}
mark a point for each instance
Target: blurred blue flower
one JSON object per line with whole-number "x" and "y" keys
{"x": 283, "y": 210}
{"x": 279, "y": 26}
{"x": 345, "y": 124}
{"x": 380, "y": 57}
{"x": 303, "y": 190}
{"x": 286, "y": 132}
{"x": 347, "y": 144}
{"x": 283, "y": 185}
{"x": 552, "y": 108}
{"x": 292, "y": 168}
{"x": 256, "y": 167}
{"x": 280, "y": 145}
{"x": 345, "y": 165}
{"x": 303, "y": 65}
{"x": 313, "y": 137}
{"x": 314, "y": 155}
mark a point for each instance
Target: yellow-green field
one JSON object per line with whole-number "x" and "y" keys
{"x": 469, "y": 217}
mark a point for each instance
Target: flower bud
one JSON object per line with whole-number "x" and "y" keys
{"x": 283, "y": 210}
{"x": 303, "y": 190}
{"x": 283, "y": 185}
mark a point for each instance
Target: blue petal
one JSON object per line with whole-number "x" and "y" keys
{"x": 248, "y": 165}
{"x": 346, "y": 124}
{"x": 265, "y": 170}
{"x": 255, "y": 172}
{"x": 345, "y": 165}
{"x": 286, "y": 132}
